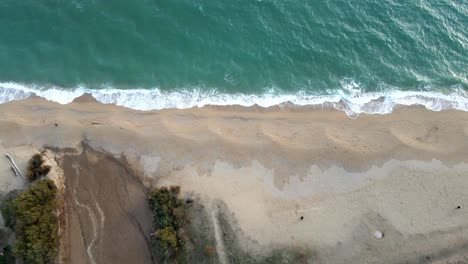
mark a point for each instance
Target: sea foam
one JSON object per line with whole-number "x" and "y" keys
{"x": 349, "y": 99}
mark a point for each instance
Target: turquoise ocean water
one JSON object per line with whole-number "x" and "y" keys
{"x": 152, "y": 54}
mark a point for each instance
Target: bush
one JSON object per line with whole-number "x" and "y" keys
{"x": 167, "y": 239}
{"x": 168, "y": 218}
{"x": 35, "y": 223}
{"x": 36, "y": 167}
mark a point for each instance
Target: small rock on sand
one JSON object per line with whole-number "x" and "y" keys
{"x": 378, "y": 234}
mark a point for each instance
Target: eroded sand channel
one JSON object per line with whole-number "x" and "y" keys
{"x": 108, "y": 217}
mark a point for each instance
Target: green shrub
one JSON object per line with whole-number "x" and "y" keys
{"x": 168, "y": 218}
{"x": 36, "y": 167}
{"x": 35, "y": 223}
{"x": 167, "y": 241}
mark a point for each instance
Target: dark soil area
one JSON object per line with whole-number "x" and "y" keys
{"x": 108, "y": 218}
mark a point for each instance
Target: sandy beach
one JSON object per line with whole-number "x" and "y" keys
{"x": 403, "y": 174}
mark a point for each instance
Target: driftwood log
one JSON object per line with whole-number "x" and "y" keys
{"x": 14, "y": 171}
{"x": 13, "y": 166}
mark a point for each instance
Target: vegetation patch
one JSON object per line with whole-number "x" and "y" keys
{"x": 200, "y": 243}
{"x": 32, "y": 216}
{"x": 168, "y": 220}
{"x": 36, "y": 167}
{"x": 183, "y": 231}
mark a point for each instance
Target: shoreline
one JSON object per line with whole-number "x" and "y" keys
{"x": 411, "y": 132}
{"x": 346, "y": 99}
{"x": 402, "y": 173}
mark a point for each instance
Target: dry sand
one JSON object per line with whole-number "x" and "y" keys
{"x": 403, "y": 173}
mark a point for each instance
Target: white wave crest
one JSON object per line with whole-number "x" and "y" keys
{"x": 350, "y": 100}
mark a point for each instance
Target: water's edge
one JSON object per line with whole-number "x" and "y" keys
{"x": 155, "y": 99}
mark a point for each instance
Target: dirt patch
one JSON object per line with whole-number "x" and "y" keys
{"x": 108, "y": 218}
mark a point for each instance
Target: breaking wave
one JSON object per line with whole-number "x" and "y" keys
{"x": 348, "y": 99}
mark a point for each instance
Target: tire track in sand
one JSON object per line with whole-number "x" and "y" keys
{"x": 219, "y": 241}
